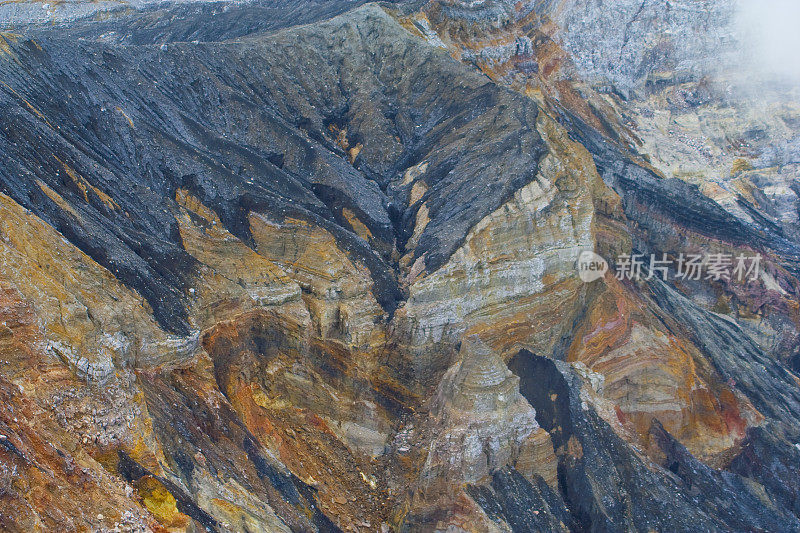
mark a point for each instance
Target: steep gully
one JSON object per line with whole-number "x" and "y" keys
{"x": 164, "y": 160}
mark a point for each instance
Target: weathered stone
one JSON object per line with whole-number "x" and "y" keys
{"x": 269, "y": 268}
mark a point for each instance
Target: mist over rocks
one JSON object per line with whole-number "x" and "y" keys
{"x": 321, "y": 266}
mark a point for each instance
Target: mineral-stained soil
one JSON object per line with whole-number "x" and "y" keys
{"x": 311, "y": 266}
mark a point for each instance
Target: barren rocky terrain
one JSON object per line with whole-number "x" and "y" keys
{"x": 313, "y": 265}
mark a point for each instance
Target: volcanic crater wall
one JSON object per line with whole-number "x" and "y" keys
{"x": 310, "y": 266}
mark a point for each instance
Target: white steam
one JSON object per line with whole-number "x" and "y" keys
{"x": 770, "y": 36}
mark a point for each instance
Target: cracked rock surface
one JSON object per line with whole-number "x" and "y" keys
{"x": 311, "y": 266}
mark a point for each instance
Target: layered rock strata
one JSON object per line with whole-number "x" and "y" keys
{"x": 311, "y": 266}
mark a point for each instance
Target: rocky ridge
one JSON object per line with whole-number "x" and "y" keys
{"x": 268, "y": 268}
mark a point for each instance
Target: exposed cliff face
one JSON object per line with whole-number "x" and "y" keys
{"x": 273, "y": 267}
{"x": 480, "y": 418}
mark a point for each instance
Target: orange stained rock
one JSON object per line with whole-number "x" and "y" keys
{"x": 651, "y": 373}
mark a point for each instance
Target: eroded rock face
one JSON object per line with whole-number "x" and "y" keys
{"x": 310, "y": 266}
{"x": 481, "y": 419}
{"x": 517, "y": 257}
{"x": 479, "y": 423}
{"x": 609, "y": 485}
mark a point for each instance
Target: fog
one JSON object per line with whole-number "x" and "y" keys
{"x": 770, "y": 31}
